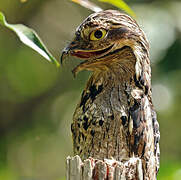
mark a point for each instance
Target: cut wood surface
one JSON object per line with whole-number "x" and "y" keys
{"x": 94, "y": 169}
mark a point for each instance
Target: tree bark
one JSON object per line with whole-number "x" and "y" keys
{"x": 94, "y": 169}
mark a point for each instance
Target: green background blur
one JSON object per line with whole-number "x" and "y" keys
{"x": 37, "y": 100}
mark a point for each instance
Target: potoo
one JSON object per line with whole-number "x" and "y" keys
{"x": 115, "y": 118}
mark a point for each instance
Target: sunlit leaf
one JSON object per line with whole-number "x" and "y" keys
{"x": 89, "y": 5}
{"x": 30, "y": 38}
{"x": 120, "y": 4}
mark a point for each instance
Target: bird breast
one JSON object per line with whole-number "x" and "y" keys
{"x": 101, "y": 119}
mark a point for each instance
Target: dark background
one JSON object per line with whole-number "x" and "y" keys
{"x": 37, "y": 100}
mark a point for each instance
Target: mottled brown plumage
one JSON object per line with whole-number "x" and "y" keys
{"x": 115, "y": 117}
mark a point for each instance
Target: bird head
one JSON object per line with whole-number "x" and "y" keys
{"x": 102, "y": 37}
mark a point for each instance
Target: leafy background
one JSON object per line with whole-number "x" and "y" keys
{"x": 37, "y": 99}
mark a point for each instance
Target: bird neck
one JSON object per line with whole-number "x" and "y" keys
{"x": 117, "y": 70}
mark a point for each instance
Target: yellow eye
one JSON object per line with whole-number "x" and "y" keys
{"x": 97, "y": 34}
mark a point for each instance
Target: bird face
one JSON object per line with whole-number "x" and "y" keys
{"x": 101, "y": 37}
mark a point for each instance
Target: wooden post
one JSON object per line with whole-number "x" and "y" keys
{"x": 94, "y": 169}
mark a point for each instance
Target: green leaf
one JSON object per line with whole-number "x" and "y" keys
{"x": 120, "y": 4}
{"x": 88, "y": 5}
{"x": 29, "y": 37}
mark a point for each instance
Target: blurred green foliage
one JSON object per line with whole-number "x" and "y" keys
{"x": 37, "y": 100}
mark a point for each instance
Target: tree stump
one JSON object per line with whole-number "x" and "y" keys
{"x": 94, "y": 169}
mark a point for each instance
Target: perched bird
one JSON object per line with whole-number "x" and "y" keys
{"x": 115, "y": 118}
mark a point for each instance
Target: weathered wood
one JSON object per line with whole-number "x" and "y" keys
{"x": 94, "y": 169}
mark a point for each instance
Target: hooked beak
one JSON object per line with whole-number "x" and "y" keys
{"x": 89, "y": 56}
{"x": 65, "y": 53}
{"x": 68, "y": 50}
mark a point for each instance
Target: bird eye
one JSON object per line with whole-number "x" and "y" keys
{"x": 97, "y": 34}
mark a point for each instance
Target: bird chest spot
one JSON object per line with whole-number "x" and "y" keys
{"x": 101, "y": 122}
{"x": 85, "y": 118}
{"x": 85, "y": 123}
{"x": 92, "y": 132}
{"x": 124, "y": 119}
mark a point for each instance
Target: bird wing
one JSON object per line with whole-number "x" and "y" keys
{"x": 144, "y": 139}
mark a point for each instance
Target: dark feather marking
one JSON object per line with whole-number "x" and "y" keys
{"x": 141, "y": 84}
{"x": 135, "y": 113}
{"x": 101, "y": 122}
{"x": 85, "y": 123}
{"x": 136, "y": 143}
{"x": 94, "y": 91}
{"x": 92, "y": 132}
{"x": 85, "y": 118}
{"x": 137, "y": 82}
{"x": 92, "y": 94}
{"x": 117, "y": 32}
{"x": 137, "y": 116}
{"x": 137, "y": 139}
{"x": 83, "y": 137}
{"x": 84, "y": 100}
{"x": 124, "y": 119}
{"x": 146, "y": 90}
{"x": 78, "y": 124}
{"x": 142, "y": 81}
{"x": 113, "y": 52}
